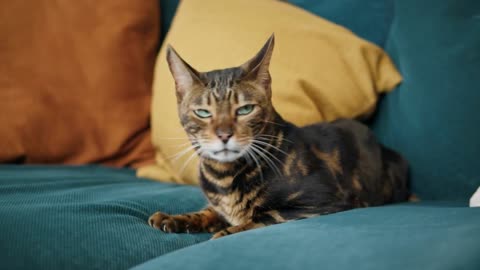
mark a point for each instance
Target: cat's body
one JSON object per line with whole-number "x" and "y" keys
{"x": 257, "y": 169}
{"x": 320, "y": 169}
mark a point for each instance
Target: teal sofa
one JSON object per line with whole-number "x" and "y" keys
{"x": 93, "y": 217}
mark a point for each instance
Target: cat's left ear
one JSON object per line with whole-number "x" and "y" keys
{"x": 185, "y": 76}
{"x": 256, "y": 69}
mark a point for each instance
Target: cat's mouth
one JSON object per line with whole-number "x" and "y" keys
{"x": 223, "y": 152}
{"x": 226, "y": 155}
{"x": 226, "y": 151}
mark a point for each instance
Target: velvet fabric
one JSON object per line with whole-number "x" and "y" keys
{"x": 432, "y": 118}
{"x": 370, "y": 19}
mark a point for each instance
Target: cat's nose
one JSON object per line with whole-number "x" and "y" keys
{"x": 224, "y": 136}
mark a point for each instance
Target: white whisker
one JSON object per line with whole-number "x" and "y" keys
{"x": 178, "y": 138}
{"x": 270, "y": 154}
{"x": 250, "y": 153}
{"x": 269, "y": 161}
{"x": 270, "y": 122}
{"x": 268, "y": 144}
{"x": 269, "y": 137}
{"x": 186, "y": 162}
{"x": 179, "y": 145}
{"x": 179, "y": 154}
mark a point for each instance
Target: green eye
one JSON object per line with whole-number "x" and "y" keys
{"x": 202, "y": 113}
{"x": 244, "y": 110}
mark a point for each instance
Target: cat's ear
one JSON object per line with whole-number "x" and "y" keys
{"x": 184, "y": 75}
{"x": 256, "y": 69}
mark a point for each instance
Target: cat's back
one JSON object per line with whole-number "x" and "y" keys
{"x": 349, "y": 151}
{"x": 347, "y": 136}
{"x": 331, "y": 132}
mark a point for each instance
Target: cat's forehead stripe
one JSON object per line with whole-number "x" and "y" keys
{"x": 222, "y": 94}
{"x": 222, "y": 81}
{"x": 217, "y": 94}
{"x": 209, "y": 99}
{"x": 235, "y": 97}
{"x": 205, "y": 99}
{"x": 229, "y": 94}
{"x": 241, "y": 97}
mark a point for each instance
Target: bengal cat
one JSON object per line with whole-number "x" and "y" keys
{"x": 256, "y": 169}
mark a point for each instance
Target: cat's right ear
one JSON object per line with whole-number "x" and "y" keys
{"x": 184, "y": 75}
{"x": 256, "y": 69}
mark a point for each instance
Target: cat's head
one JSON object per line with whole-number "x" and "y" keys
{"x": 223, "y": 111}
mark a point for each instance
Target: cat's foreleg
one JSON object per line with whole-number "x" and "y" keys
{"x": 260, "y": 220}
{"x": 206, "y": 220}
{"x": 280, "y": 216}
{"x": 239, "y": 228}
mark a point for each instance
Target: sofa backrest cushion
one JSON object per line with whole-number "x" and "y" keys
{"x": 370, "y": 19}
{"x": 433, "y": 118}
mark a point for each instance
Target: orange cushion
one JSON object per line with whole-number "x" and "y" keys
{"x": 75, "y": 81}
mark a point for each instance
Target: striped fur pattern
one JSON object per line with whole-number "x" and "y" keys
{"x": 257, "y": 169}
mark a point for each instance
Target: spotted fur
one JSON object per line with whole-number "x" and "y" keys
{"x": 269, "y": 170}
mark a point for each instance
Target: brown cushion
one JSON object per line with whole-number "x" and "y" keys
{"x": 75, "y": 81}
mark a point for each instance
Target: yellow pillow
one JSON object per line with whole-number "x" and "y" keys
{"x": 320, "y": 71}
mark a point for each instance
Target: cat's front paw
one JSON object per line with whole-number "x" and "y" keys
{"x": 219, "y": 234}
{"x": 167, "y": 223}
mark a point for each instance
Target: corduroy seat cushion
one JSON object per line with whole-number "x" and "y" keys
{"x": 86, "y": 217}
